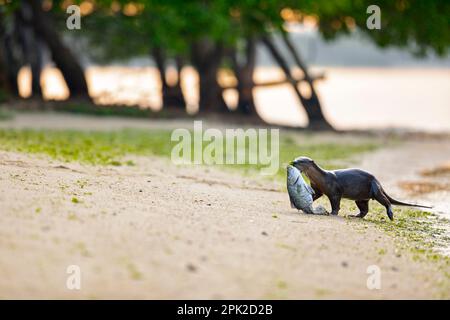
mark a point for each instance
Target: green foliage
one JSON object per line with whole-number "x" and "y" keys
{"x": 419, "y": 25}
{"x": 114, "y": 31}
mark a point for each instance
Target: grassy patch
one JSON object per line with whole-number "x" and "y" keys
{"x": 419, "y": 233}
{"x": 413, "y": 229}
{"x": 111, "y": 147}
{"x": 103, "y": 148}
{"x": 326, "y": 154}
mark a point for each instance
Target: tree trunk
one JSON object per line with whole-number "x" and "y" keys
{"x": 172, "y": 95}
{"x": 36, "y": 69}
{"x": 177, "y": 91}
{"x": 4, "y": 86}
{"x": 244, "y": 74}
{"x": 311, "y": 105}
{"x": 31, "y": 47}
{"x": 160, "y": 65}
{"x": 12, "y": 63}
{"x": 206, "y": 58}
{"x": 64, "y": 59}
{"x": 3, "y": 78}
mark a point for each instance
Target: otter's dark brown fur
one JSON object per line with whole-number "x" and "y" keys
{"x": 353, "y": 184}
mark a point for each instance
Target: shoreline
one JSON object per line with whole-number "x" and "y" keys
{"x": 380, "y": 97}
{"x": 37, "y": 118}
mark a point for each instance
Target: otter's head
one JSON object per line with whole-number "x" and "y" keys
{"x": 303, "y": 163}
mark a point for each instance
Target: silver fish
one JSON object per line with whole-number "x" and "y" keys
{"x": 300, "y": 193}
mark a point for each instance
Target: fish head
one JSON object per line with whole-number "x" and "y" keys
{"x": 292, "y": 174}
{"x": 302, "y": 163}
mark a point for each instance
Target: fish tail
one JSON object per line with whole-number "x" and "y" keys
{"x": 320, "y": 210}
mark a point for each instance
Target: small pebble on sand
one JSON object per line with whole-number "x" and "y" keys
{"x": 191, "y": 267}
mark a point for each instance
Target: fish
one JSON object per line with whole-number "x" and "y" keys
{"x": 301, "y": 193}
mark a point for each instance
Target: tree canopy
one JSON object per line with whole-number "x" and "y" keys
{"x": 125, "y": 28}
{"x": 207, "y": 34}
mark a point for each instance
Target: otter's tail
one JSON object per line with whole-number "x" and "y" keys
{"x": 400, "y": 203}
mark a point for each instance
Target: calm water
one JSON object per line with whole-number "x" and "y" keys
{"x": 351, "y": 97}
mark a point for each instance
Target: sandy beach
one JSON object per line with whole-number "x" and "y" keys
{"x": 156, "y": 230}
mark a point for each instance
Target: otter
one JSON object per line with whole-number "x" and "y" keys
{"x": 353, "y": 184}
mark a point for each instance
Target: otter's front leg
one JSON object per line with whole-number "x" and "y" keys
{"x": 317, "y": 193}
{"x": 335, "y": 201}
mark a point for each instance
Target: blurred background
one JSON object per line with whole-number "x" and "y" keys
{"x": 75, "y": 182}
{"x": 295, "y": 63}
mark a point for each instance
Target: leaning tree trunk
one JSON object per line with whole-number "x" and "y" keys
{"x": 311, "y": 105}
{"x": 206, "y": 58}
{"x": 64, "y": 59}
{"x": 244, "y": 73}
{"x": 172, "y": 95}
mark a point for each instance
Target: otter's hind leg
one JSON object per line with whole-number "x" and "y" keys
{"x": 381, "y": 198}
{"x": 363, "y": 206}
